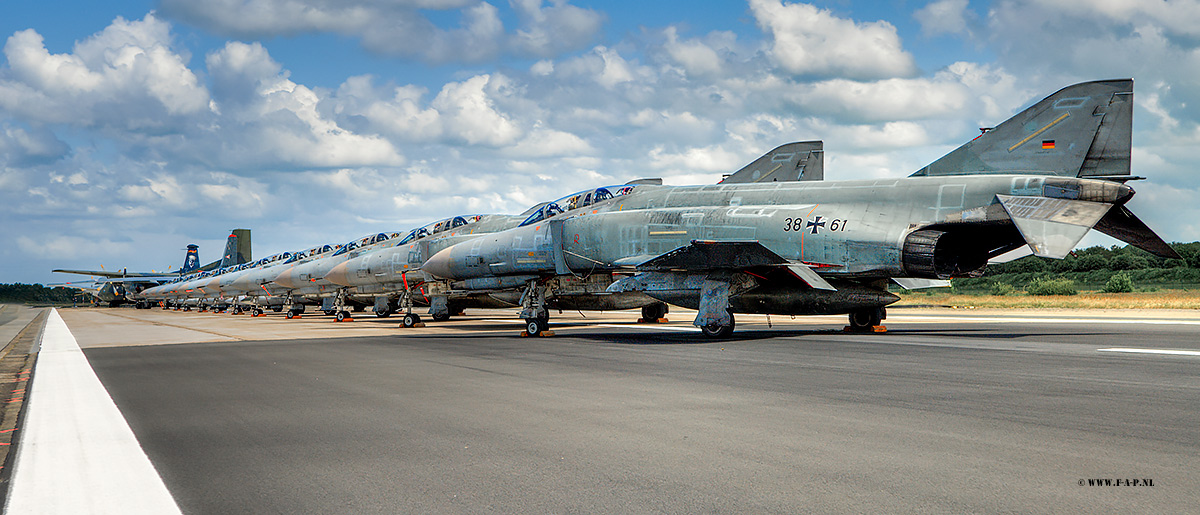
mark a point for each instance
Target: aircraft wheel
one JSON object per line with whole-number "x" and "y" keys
{"x": 342, "y": 315}
{"x": 258, "y": 312}
{"x": 383, "y": 314}
{"x": 439, "y": 317}
{"x": 719, "y": 331}
{"x": 291, "y": 314}
{"x": 866, "y": 318}
{"x": 410, "y": 320}
{"x": 535, "y": 326}
{"x": 330, "y": 312}
{"x": 654, "y": 312}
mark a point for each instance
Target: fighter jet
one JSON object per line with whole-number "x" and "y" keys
{"x": 120, "y": 286}
{"x": 391, "y": 273}
{"x": 1043, "y": 178}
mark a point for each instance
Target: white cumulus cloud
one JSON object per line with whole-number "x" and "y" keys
{"x": 807, "y": 40}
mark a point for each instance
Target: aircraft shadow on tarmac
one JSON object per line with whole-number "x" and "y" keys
{"x": 646, "y": 335}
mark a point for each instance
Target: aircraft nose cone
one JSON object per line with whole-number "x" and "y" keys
{"x": 439, "y": 265}
{"x": 339, "y": 275}
{"x": 285, "y": 279}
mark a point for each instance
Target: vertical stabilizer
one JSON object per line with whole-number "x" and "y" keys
{"x": 1083, "y": 130}
{"x": 798, "y": 161}
{"x": 237, "y": 248}
{"x": 191, "y": 260}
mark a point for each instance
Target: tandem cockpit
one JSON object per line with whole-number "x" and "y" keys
{"x": 365, "y": 241}
{"x": 439, "y": 226}
{"x": 576, "y": 201}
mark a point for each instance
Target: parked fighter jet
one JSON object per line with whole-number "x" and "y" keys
{"x": 384, "y": 273}
{"x": 120, "y": 286}
{"x": 395, "y": 271}
{"x": 1043, "y": 178}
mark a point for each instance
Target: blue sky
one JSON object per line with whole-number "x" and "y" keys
{"x": 130, "y": 129}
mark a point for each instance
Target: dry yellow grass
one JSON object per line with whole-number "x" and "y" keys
{"x": 1166, "y": 299}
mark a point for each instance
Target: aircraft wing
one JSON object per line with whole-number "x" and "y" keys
{"x": 704, "y": 255}
{"x": 114, "y": 274}
{"x": 707, "y": 255}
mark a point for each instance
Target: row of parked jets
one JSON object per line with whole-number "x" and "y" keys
{"x": 771, "y": 238}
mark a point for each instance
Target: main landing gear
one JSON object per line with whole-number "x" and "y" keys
{"x": 867, "y": 320}
{"x": 719, "y": 330}
{"x": 654, "y": 313}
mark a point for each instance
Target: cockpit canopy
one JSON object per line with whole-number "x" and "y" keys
{"x": 365, "y": 241}
{"x": 440, "y": 226}
{"x": 315, "y": 251}
{"x": 577, "y": 200}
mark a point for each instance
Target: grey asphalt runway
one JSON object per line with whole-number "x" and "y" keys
{"x": 945, "y": 413}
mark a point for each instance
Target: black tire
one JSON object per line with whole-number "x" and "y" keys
{"x": 410, "y": 320}
{"x": 439, "y": 317}
{"x": 291, "y": 314}
{"x": 330, "y": 312}
{"x": 864, "y": 319}
{"x": 258, "y": 312}
{"x": 654, "y": 312}
{"x": 383, "y": 314}
{"x": 535, "y": 326}
{"x": 341, "y": 315}
{"x": 719, "y": 331}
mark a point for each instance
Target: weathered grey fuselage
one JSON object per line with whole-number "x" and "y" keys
{"x": 850, "y": 232}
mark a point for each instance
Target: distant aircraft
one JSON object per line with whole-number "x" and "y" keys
{"x": 121, "y": 286}
{"x": 1043, "y": 178}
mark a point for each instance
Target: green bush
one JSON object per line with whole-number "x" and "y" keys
{"x": 1120, "y": 282}
{"x": 1002, "y": 289}
{"x": 1048, "y": 286}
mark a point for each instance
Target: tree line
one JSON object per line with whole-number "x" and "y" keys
{"x": 1095, "y": 267}
{"x": 19, "y": 293}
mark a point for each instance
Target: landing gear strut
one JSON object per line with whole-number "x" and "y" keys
{"x": 533, "y": 310}
{"x": 406, "y": 303}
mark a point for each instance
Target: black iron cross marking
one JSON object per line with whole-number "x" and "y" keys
{"x": 815, "y": 223}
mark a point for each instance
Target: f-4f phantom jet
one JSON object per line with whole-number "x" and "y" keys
{"x": 120, "y": 286}
{"x": 1043, "y": 178}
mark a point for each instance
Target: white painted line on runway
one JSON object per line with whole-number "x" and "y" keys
{"x": 968, "y": 318}
{"x": 76, "y": 452}
{"x": 652, "y": 327}
{"x": 1152, "y": 351}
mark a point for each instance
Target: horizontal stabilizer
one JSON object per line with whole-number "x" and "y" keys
{"x": 1122, "y": 224}
{"x": 703, "y": 255}
{"x": 912, "y": 283}
{"x": 1052, "y": 226}
{"x": 799, "y": 161}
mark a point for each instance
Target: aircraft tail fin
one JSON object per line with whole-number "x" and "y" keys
{"x": 237, "y": 248}
{"x": 798, "y": 161}
{"x": 1083, "y": 130}
{"x": 191, "y": 260}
